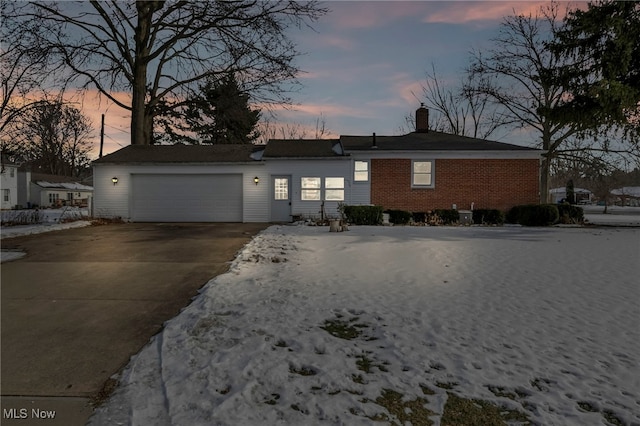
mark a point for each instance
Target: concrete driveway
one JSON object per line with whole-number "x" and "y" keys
{"x": 83, "y": 301}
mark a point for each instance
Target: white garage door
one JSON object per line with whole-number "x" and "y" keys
{"x": 186, "y": 198}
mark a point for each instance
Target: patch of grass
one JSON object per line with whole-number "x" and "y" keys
{"x": 473, "y": 412}
{"x": 587, "y": 406}
{"x": 426, "y": 390}
{"x": 296, "y": 407}
{"x": 405, "y": 411}
{"x": 303, "y": 371}
{"x": 612, "y": 418}
{"x": 541, "y": 384}
{"x": 364, "y": 364}
{"x": 437, "y": 366}
{"x": 608, "y": 415}
{"x": 341, "y": 329}
{"x": 500, "y": 391}
{"x": 273, "y": 400}
{"x": 446, "y": 385}
{"x": 357, "y": 378}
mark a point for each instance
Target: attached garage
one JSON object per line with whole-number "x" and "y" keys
{"x": 182, "y": 183}
{"x": 186, "y": 197}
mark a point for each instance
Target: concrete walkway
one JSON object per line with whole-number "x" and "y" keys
{"x": 83, "y": 301}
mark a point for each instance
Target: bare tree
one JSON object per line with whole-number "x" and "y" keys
{"x": 524, "y": 72}
{"x": 55, "y": 137}
{"x": 460, "y": 110}
{"x": 160, "y": 50}
{"x": 270, "y": 130}
{"x": 24, "y": 66}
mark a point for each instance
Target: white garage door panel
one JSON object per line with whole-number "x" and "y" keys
{"x": 187, "y": 198}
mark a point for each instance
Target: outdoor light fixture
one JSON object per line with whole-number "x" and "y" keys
{"x": 256, "y": 180}
{"x": 114, "y": 180}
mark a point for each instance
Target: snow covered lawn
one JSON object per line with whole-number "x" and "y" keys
{"x": 311, "y": 327}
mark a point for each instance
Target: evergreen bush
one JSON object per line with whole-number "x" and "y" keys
{"x": 419, "y": 217}
{"x": 534, "y": 215}
{"x": 488, "y": 217}
{"x": 448, "y": 216}
{"x": 363, "y": 215}
{"x": 399, "y": 217}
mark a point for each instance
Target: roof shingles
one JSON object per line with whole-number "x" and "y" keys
{"x": 181, "y": 154}
{"x": 429, "y": 141}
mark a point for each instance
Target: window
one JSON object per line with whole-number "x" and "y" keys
{"x": 361, "y": 171}
{"x": 334, "y": 189}
{"x": 13, "y": 172}
{"x": 69, "y": 196}
{"x": 281, "y": 188}
{"x": 53, "y": 198}
{"x": 310, "y": 188}
{"x": 5, "y": 194}
{"x": 422, "y": 175}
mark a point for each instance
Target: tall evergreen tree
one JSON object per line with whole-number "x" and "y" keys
{"x": 225, "y": 113}
{"x": 604, "y": 78}
{"x": 219, "y": 114}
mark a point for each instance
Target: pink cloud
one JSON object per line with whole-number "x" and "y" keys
{"x": 369, "y": 14}
{"x": 474, "y": 11}
{"x": 332, "y": 40}
{"x": 117, "y": 120}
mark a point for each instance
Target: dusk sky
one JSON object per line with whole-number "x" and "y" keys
{"x": 365, "y": 63}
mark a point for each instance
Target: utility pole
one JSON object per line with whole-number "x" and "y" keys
{"x": 101, "y": 136}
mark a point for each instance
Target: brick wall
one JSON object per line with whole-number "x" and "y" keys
{"x": 496, "y": 184}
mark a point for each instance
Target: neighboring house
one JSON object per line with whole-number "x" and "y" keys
{"x": 583, "y": 196}
{"x": 420, "y": 171}
{"x": 629, "y": 195}
{"x": 8, "y": 185}
{"x": 44, "y": 190}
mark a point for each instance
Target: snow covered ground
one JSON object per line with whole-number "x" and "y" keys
{"x": 310, "y": 327}
{"x": 49, "y": 220}
{"x": 616, "y": 216}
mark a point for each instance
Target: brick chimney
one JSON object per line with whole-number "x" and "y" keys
{"x": 422, "y": 119}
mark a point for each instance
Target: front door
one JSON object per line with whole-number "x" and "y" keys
{"x": 280, "y": 198}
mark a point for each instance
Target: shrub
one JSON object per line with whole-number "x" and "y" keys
{"x": 488, "y": 217}
{"x": 534, "y": 215}
{"x": 448, "y": 216}
{"x": 419, "y": 217}
{"x": 570, "y": 214}
{"x": 363, "y": 215}
{"x": 399, "y": 217}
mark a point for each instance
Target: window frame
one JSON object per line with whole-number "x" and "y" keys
{"x": 431, "y": 174}
{"x": 333, "y": 189}
{"x": 356, "y": 171}
{"x": 279, "y": 190}
{"x": 306, "y": 190}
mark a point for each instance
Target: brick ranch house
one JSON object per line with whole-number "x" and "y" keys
{"x": 418, "y": 172}
{"x": 426, "y": 170}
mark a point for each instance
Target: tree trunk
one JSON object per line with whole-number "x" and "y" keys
{"x": 545, "y": 166}
{"x": 141, "y": 121}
